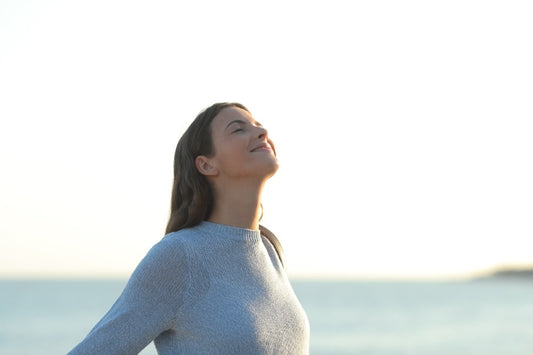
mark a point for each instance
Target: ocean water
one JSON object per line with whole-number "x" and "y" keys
{"x": 380, "y": 318}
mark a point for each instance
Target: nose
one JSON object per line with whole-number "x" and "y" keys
{"x": 262, "y": 132}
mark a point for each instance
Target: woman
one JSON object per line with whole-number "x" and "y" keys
{"x": 214, "y": 284}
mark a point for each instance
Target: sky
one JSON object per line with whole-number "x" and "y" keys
{"x": 403, "y": 129}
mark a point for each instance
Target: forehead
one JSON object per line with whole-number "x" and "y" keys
{"x": 229, "y": 114}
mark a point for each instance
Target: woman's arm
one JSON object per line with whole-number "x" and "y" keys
{"x": 147, "y": 307}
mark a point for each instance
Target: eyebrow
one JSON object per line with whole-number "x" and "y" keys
{"x": 242, "y": 122}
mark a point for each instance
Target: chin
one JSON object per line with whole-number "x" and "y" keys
{"x": 262, "y": 168}
{"x": 273, "y": 169}
{"x": 265, "y": 170}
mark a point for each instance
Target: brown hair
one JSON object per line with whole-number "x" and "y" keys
{"x": 192, "y": 197}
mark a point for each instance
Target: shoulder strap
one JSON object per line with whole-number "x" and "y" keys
{"x": 274, "y": 241}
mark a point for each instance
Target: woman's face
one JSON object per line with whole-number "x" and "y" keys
{"x": 241, "y": 146}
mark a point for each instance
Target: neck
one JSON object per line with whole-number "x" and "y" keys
{"x": 238, "y": 205}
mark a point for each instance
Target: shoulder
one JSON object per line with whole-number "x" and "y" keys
{"x": 179, "y": 241}
{"x": 169, "y": 254}
{"x": 185, "y": 235}
{"x": 173, "y": 247}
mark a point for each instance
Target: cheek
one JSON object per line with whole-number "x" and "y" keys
{"x": 232, "y": 154}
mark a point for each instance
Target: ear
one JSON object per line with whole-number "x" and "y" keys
{"x": 205, "y": 167}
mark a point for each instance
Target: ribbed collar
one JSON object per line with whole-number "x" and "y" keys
{"x": 231, "y": 232}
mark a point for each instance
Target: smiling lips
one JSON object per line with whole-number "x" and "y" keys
{"x": 263, "y": 146}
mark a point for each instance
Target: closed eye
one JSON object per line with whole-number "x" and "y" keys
{"x": 240, "y": 124}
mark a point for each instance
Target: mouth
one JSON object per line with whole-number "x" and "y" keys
{"x": 262, "y": 147}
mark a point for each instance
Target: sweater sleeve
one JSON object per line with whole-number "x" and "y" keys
{"x": 147, "y": 306}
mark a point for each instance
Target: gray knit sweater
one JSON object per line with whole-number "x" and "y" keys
{"x": 211, "y": 289}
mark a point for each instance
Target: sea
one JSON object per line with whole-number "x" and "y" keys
{"x": 477, "y": 317}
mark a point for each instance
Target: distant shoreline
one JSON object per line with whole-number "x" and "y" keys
{"x": 509, "y": 273}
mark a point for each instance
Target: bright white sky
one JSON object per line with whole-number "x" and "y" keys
{"x": 404, "y": 129}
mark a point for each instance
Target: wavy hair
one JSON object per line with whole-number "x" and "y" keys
{"x": 192, "y": 196}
